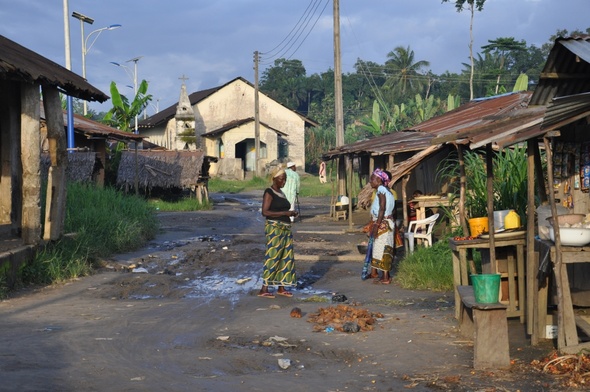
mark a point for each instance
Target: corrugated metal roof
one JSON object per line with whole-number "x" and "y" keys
{"x": 566, "y": 72}
{"x": 94, "y": 129}
{"x": 492, "y": 118}
{"x": 23, "y": 65}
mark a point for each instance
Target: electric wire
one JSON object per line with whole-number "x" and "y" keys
{"x": 290, "y": 32}
{"x": 308, "y": 15}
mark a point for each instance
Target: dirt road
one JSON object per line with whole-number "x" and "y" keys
{"x": 188, "y": 319}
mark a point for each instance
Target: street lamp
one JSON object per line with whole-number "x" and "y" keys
{"x": 85, "y": 47}
{"x": 133, "y": 77}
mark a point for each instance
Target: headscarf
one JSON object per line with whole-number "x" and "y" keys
{"x": 278, "y": 173}
{"x": 382, "y": 175}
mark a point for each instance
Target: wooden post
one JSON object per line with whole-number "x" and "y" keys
{"x": 490, "y": 188}
{"x": 567, "y": 335}
{"x": 55, "y": 204}
{"x": 31, "y": 163}
{"x": 405, "y": 180}
{"x": 462, "y": 185}
{"x": 531, "y": 275}
{"x": 10, "y": 210}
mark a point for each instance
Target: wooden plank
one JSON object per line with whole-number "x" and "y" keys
{"x": 457, "y": 283}
{"x": 31, "y": 164}
{"x": 491, "y": 347}
{"x": 531, "y": 284}
{"x": 575, "y": 349}
{"x": 569, "y": 322}
{"x": 468, "y": 298}
{"x": 55, "y": 210}
{"x": 583, "y": 324}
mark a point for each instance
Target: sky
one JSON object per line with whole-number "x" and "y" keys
{"x": 212, "y": 42}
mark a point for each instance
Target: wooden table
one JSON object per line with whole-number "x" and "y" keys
{"x": 515, "y": 274}
{"x": 567, "y": 323}
{"x": 424, "y": 202}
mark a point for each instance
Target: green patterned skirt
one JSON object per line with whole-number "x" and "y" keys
{"x": 279, "y": 264}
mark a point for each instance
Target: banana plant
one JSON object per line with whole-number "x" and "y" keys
{"x": 522, "y": 83}
{"x": 123, "y": 113}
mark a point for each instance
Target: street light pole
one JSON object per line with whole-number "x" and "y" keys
{"x": 85, "y": 48}
{"x": 133, "y": 77}
{"x": 70, "y": 113}
{"x": 135, "y": 60}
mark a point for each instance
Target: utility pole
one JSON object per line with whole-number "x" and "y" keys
{"x": 256, "y": 115}
{"x": 69, "y": 103}
{"x": 338, "y": 105}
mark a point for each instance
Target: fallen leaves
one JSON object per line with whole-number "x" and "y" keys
{"x": 337, "y": 316}
{"x": 575, "y": 369}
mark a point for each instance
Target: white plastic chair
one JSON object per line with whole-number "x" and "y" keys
{"x": 427, "y": 225}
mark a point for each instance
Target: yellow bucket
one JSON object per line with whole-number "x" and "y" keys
{"x": 478, "y": 226}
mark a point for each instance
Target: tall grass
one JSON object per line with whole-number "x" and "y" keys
{"x": 427, "y": 268}
{"x": 102, "y": 222}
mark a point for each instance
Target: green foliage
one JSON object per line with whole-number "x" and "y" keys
{"x": 427, "y": 268}
{"x": 509, "y": 184}
{"x": 404, "y": 75}
{"x": 453, "y": 102}
{"x": 104, "y": 222}
{"x": 188, "y": 136}
{"x": 510, "y": 180}
{"x": 318, "y": 140}
{"x": 522, "y": 83}
{"x": 460, "y": 4}
{"x": 122, "y": 114}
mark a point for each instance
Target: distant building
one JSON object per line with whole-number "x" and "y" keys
{"x": 223, "y": 122}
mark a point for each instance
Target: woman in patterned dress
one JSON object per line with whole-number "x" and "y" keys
{"x": 279, "y": 264}
{"x": 383, "y": 228}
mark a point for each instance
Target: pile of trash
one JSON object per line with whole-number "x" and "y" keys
{"x": 343, "y": 318}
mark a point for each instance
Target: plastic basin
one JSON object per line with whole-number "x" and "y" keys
{"x": 571, "y": 236}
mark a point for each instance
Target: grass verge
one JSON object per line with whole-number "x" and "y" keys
{"x": 103, "y": 222}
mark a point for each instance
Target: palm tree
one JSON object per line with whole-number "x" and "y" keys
{"x": 505, "y": 49}
{"x": 472, "y": 5}
{"x": 404, "y": 77}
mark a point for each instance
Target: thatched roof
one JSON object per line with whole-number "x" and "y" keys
{"x": 81, "y": 165}
{"x": 163, "y": 169}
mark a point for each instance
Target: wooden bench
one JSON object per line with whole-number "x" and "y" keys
{"x": 486, "y": 324}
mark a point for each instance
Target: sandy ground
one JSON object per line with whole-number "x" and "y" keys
{"x": 182, "y": 315}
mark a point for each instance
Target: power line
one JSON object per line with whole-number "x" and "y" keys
{"x": 295, "y": 34}
{"x": 290, "y": 32}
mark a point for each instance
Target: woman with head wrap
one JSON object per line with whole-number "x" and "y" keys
{"x": 279, "y": 264}
{"x": 382, "y": 229}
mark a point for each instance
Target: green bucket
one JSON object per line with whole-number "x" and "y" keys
{"x": 486, "y": 288}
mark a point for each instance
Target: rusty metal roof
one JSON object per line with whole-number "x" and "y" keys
{"x": 20, "y": 64}
{"x": 492, "y": 119}
{"x": 93, "y": 129}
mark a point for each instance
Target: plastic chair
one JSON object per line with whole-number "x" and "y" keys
{"x": 427, "y": 225}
